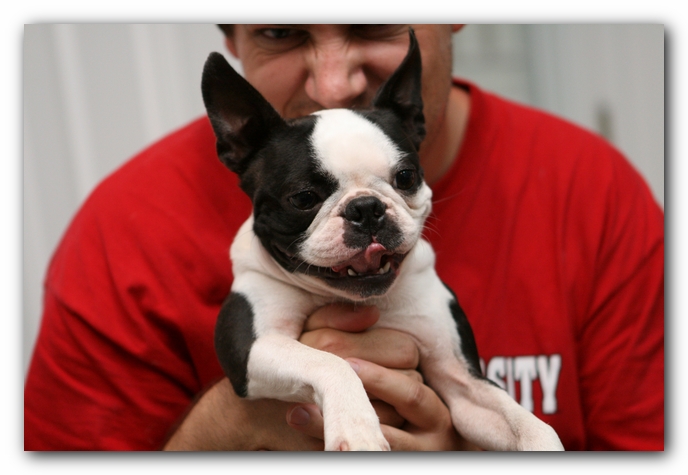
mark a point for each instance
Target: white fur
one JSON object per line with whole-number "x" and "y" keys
{"x": 362, "y": 158}
{"x": 352, "y": 148}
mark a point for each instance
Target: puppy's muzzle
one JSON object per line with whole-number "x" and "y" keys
{"x": 366, "y": 214}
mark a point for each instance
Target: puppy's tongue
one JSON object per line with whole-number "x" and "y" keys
{"x": 365, "y": 261}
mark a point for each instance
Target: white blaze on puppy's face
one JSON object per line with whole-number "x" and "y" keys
{"x": 363, "y": 160}
{"x": 353, "y": 148}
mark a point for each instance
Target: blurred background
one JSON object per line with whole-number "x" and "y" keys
{"x": 95, "y": 94}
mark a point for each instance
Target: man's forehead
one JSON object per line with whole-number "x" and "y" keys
{"x": 388, "y": 28}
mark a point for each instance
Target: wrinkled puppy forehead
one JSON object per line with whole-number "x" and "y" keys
{"x": 348, "y": 145}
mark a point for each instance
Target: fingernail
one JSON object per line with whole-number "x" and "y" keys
{"x": 299, "y": 416}
{"x": 354, "y": 365}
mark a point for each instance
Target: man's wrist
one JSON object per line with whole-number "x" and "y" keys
{"x": 213, "y": 423}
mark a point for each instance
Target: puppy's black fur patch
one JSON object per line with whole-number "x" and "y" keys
{"x": 469, "y": 348}
{"x": 283, "y": 168}
{"x": 234, "y": 337}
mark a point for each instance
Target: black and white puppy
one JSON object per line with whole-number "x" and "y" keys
{"x": 339, "y": 204}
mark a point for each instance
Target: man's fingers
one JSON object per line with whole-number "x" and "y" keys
{"x": 344, "y": 317}
{"x": 412, "y": 416}
{"x": 413, "y": 400}
{"x": 400, "y": 440}
{"x": 409, "y": 373}
{"x": 344, "y": 330}
{"x": 388, "y": 348}
{"x": 306, "y": 418}
{"x": 403, "y": 440}
{"x": 387, "y": 414}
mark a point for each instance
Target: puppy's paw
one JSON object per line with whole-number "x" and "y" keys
{"x": 355, "y": 434}
{"x": 359, "y": 442}
{"x": 540, "y": 438}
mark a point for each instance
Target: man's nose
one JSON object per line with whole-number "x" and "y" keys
{"x": 336, "y": 77}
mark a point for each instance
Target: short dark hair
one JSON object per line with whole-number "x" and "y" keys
{"x": 228, "y": 30}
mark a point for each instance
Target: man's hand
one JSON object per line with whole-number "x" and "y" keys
{"x": 413, "y": 417}
{"x": 221, "y": 420}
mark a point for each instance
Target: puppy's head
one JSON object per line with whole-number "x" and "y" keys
{"x": 338, "y": 195}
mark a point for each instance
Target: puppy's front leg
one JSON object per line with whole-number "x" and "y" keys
{"x": 256, "y": 343}
{"x": 486, "y": 415}
{"x": 280, "y": 367}
{"x": 482, "y": 412}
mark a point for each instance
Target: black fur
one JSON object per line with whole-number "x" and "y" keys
{"x": 234, "y": 337}
{"x": 283, "y": 168}
{"x": 274, "y": 160}
{"x": 393, "y": 127}
{"x": 363, "y": 286}
{"x": 239, "y": 114}
{"x": 401, "y": 94}
{"x": 469, "y": 348}
{"x": 366, "y": 218}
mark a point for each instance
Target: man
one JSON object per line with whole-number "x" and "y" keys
{"x": 551, "y": 241}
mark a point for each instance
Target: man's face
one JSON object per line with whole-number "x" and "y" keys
{"x": 301, "y": 69}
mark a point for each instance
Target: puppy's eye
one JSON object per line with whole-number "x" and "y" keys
{"x": 406, "y": 179}
{"x": 304, "y": 200}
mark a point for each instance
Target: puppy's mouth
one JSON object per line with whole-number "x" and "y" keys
{"x": 368, "y": 273}
{"x": 373, "y": 261}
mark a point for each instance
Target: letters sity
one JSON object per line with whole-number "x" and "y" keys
{"x": 507, "y": 370}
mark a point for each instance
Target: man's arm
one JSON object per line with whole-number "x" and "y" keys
{"x": 221, "y": 420}
{"x": 621, "y": 338}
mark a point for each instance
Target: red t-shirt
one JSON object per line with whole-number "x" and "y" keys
{"x": 551, "y": 241}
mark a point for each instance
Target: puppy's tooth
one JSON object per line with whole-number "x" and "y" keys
{"x": 352, "y": 273}
{"x": 387, "y": 267}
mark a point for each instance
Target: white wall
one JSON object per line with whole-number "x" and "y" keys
{"x": 93, "y": 96}
{"x": 96, "y": 94}
{"x": 608, "y": 78}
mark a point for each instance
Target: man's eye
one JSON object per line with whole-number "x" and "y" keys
{"x": 279, "y": 40}
{"x": 381, "y": 32}
{"x": 278, "y": 33}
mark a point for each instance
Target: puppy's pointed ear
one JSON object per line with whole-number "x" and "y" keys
{"x": 241, "y": 117}
{"x": 402, "y": 93}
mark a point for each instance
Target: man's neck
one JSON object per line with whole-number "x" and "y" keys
{"x": 441, "y": 152}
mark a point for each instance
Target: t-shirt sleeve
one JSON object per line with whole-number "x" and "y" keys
{"x": 130, "y": 301}
{"x": 129, "y": 306}
{"x": 621, "y": 337}
{"x": 101, "y": 377}
{"x": 88, "y": 391}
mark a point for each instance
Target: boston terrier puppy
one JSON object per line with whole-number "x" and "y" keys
{"x": 339, "y": 204}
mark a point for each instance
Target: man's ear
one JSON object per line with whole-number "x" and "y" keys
{"x": 229, "y": 32}
{"x": 231, "y": 46}
{"x": 401, "y": 93}
{"x": 241, "y": 117}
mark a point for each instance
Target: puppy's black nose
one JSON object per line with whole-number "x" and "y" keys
{"x": 366, "y": 213}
